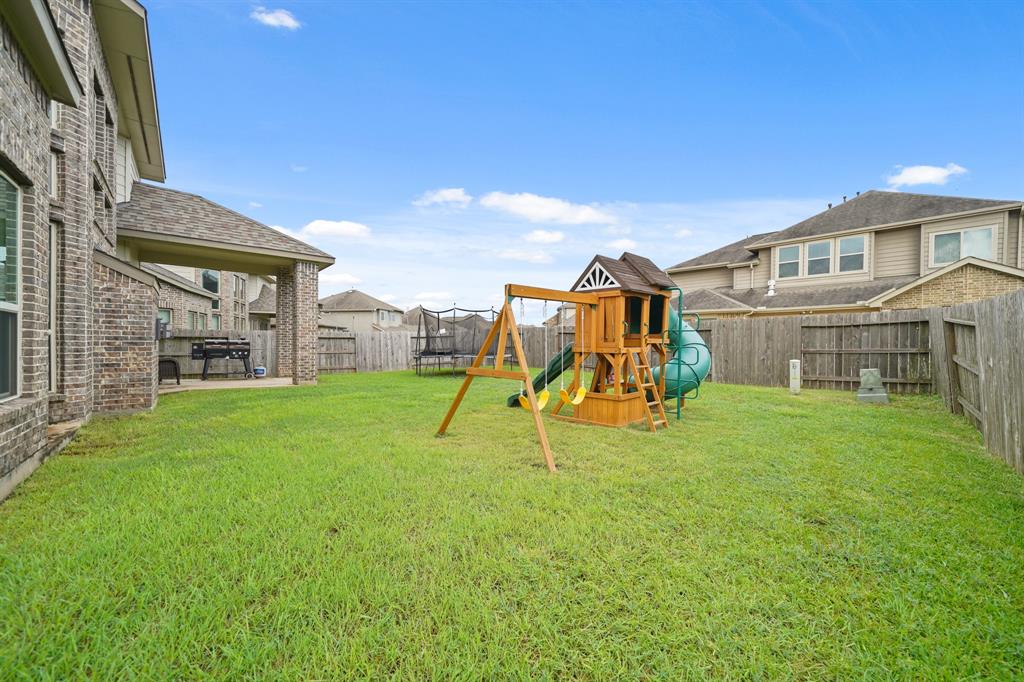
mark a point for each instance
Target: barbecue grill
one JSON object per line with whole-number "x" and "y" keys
{"x": 223, "y": 349}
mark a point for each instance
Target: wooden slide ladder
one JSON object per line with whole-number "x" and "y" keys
{"x": 644, "y": 378}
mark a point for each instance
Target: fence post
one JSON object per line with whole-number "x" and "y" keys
{"x": 949, "y": 336}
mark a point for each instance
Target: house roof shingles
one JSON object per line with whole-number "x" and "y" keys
{"x": 737, "y": 252}
{"x": 874, "y": 208}
{"x": 170, "y": 212}
{"x": 727, "y": 298}
{"x": 354, "y": 300}
{"x": 266, "y": 302}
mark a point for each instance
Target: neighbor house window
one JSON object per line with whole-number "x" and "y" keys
{"x": 164, "y": 315}
{"x": 202, "y": 321}
{"x": 239, "y": 287}
{"x": 851, "y": 254}
{"x": 819, "y": 258}
{"x": 10, "y": 200}
{"x": 193, "y": 319}
{"x": 949, "y": 247}
{"x": 211, "y": 281}
{"x": 215, "y": 322}
{"x": 789, "y": 261}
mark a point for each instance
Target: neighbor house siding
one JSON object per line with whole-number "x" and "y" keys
{"x": 703, "y": 279}
{"x": 996, "y": 220}
{"x": 831, "y": 279}
{"x": 763, "y": 271}
{"x": 898, "y": 252}
{"x": 1012, "y": 256}
{"x": 742, "y": 278}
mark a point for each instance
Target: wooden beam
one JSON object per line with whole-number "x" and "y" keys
{"x": 469, "y": 377}
{"x": 498, "y": 373}
{"x": 541, "y": 294}
{"x": 530, "y": 395}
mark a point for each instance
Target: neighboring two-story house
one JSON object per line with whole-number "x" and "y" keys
{"x": 880, "y": 250}
{"x": 228, "y": 308}
{"x": 356, "y": 311}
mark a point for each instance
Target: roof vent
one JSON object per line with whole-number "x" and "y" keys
{"x": 830, "y": 204}
{"x": 844, "y": 198}
{"x": 771, "y": 288}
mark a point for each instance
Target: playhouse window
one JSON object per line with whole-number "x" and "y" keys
{"x": 634, "y": 314}
{"x": 657, "y": 315}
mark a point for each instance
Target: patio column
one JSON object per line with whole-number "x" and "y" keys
{"x": 297, "y": 322}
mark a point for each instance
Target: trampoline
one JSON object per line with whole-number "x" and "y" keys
{"x": 449, "y": 339}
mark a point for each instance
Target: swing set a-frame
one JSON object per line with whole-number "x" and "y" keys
{"x": 622, "y": 315}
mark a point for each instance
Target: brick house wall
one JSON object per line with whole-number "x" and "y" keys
{"x": 963, "y": 285}
{"x": 180, "y": 302}
{"x": 24, "y": 159}
{"x": 124, "y": 341}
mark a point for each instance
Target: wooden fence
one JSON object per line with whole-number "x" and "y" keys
{"x": 832, "y": 349}
{"x": 337, "y": 352}
{"x": 979, "y": 369}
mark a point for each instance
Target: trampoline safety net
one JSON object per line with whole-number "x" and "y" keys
{"x": 448, "y": 339}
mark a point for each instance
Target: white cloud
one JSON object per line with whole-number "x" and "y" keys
{"x": 924, "y": 175}
{"x": 387, "y": 298}
{"x": 453, "y": 196}
{"x": 684, "y": 232}
{"x": 330, "y": 277}
{"x": 538, "y": 209}
{"x": 545, "y": 236}
{"x": 275, "y": 18}
{"x": 336, "y": 228}
{"x": 525, "y": 256}
{"x": 624, "y": 244}
{"x": 255, "y": 204}
{"x": 618, "y": 230}
{"x": 427, "y": 295}
{"x": 297, "y": 168}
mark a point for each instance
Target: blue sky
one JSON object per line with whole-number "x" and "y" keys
{"x": 439, "y": 150}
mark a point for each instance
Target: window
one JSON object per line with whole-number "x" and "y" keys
{"x": 819, "y": 258}
{"x": 789, "y": 261}
{"x": 54, "y": 176}
{"x": 10, "y": 203}
{"x": 51, "y": 309}
{"x": 202, "y": 321}
{"x": 239, "y": 287}
{"x": 165, "y": 315}
{"x": 851, "y": 254}
{"x": 211, "y": 281}
{"x": 949, "y": 247}
{"x": 215, "y": 304}
{"x": 193, "y": 319}
{"x": 215, "y": 322}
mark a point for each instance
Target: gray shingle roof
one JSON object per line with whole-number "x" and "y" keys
{"x": 174, "y": 279}
{"x": 354, "y": 300}
{"x": 881, "y": 208}
{"x": 170, "y": 212}
{"x": 726, "y": 298}
{"x": 632, "y": 272}
{"x": 266, "y": 302}
{"x": 737, "y": 252}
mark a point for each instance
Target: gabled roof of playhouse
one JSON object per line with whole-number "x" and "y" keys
{"x": 629, "y": 272}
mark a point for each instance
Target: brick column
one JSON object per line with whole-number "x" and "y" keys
{"x": 285, "y": 322}
{"x": 306, "y": 322}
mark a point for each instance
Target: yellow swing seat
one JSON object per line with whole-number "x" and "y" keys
{"x": 542, "y": 400}
{"x": 581, "y": 393}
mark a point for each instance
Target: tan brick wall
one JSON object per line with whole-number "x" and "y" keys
{"x": 963, "y": 285}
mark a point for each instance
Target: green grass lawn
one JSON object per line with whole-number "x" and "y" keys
{"x": 324, "y": 531}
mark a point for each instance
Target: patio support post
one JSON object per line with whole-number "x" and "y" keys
{"x": 297, "y": 322}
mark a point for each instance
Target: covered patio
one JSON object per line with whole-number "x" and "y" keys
{"x": 160, "y": 225}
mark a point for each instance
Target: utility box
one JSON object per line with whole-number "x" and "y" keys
{"x": 871, "y": 388}
{"x": 794, "y": 377}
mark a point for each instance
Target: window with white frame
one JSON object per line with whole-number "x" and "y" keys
{"x": 165, "y": 315}
{"x": 949, "y": 247}
{"x": 789, "y": 262}
{"x": 819, "y": 258}
{"x": 851, "y": 253}
{"x": 202, "y": 321}
{"x": 193, "y": 319}
{"x": 215, "y": 322}
{"x": 10, "y": 309}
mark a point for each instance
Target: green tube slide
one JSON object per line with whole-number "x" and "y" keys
{"x": 691, "y": 360}
{"x": 558, "y": 362}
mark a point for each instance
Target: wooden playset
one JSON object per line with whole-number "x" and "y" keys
{"x": 622, "y": 318}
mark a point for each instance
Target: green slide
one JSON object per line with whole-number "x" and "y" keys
{"x": 553, "y": 371}
{"x": 691, "y": 362}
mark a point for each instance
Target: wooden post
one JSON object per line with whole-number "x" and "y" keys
{"x": 500, "y": 322}
{"x": 949, "y": 336}
{"x": 530, "y": 395}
